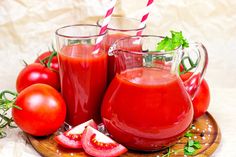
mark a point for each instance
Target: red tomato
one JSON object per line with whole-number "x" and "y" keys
{"x": 72, "y": 138}
{"x": 43, "y": 110}
{"x": 96, "y": 143}
{"x": 45, "y": 57}
{"x": 201, "y": 100}
{"x": 37, "y": 73}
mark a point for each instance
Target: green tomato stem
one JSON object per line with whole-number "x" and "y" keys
{"x": 53, "y": 54}
{"x": 192, "y": 64}
{"x": 5, "y": 105}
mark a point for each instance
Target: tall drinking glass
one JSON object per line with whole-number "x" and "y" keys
{"x": 83, "y": 73}
{"x": 119, "y": 27}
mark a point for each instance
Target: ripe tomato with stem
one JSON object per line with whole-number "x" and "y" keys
{"x": 49, "y": 59}
{"x": 37, "y": 73}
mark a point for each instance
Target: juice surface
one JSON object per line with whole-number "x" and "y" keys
{"x": 146, "y": 109}
{"x": 83, "y": 82}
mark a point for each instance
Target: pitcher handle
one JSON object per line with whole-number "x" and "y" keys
{"x": 192, "y": 84}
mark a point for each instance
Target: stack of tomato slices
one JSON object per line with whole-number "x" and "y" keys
{"x": 94, "y": 142}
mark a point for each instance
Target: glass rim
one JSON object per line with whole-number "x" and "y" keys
{"x": 123, "y": 30}
{"x": 77, "y": 36}
{"x": 162, "y": 52}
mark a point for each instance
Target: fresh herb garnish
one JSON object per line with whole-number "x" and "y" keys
{"x": 188, "y": 134}
{"x": 5, "y": 105}
{"x": 171, "y": 43}
{"x": 176, "y": 40}
{"x": 191, "y": 147}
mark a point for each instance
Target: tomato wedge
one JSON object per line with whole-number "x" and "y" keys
{"x": 72, "y": 137}
{"x": 97, "y": 144}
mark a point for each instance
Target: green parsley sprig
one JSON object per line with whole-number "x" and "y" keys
{"x": 188, "y": 134}
{"x": 171, "y": 43}
{"x": 190, "y": 147}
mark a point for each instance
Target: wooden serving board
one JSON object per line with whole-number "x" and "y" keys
{"x": 206, "y": 131}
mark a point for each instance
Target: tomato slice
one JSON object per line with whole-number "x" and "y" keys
{"x": 72, "y": 137}
{"x": 97, "y": 144}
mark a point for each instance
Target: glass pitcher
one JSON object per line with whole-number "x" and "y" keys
{"x": 147, "y": 107}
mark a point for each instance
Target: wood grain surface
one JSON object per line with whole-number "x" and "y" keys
{"x": 205, "y": 130}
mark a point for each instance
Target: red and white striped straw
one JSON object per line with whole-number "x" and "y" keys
{"x": 105, "y": 23}
{"x": 145, "y": 16}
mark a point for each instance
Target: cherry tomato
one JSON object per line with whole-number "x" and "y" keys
{"x": 43, "y": 110}
{"x": 37, "y": 73}
{"x": 201, "y": 100}
{"x": 96, "y": 143}
{"x": 44, "y": 57}
{"x": 72, "y": 137}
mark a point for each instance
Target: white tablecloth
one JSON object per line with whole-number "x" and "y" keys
{"x": 27, "y": 28}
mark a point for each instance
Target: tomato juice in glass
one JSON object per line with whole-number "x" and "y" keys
{"x": 119, "y": 27}
{"x": 83, "y": 74}
{"x": 146, "y": 106}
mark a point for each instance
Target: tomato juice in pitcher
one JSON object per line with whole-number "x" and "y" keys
{"x": 146, "y": 106}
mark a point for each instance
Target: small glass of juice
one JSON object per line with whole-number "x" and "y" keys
{"x": 119, "y": 27}
{"x": 83, "y": 72}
